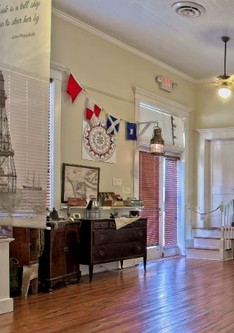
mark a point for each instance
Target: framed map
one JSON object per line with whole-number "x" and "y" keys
{"x": 79, "y": 181}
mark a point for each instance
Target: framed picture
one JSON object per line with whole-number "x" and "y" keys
{"x": 79, "y": 181}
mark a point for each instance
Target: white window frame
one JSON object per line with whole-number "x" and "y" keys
{"x": 57, "y": 74}
{"x": 171, "y": 108}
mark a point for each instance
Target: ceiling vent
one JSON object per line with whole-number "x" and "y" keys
{"x": 188, "y": 9}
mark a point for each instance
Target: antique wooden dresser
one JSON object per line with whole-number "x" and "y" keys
{"x": 101, "y": 242}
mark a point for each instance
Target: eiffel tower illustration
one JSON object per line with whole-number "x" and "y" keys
{"x": 7, "y": 165}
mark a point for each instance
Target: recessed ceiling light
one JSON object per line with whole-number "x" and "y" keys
{"x": 188, "y": 9}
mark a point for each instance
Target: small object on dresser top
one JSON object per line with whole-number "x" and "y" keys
{"x": 133, "y": 202}
{"x": 133, "y": 213}
{"x": 76, "y": 216}
{"x": 92, "y": 209}
{"x": 54, "y": 214}
{"x": 80, "y": 202}
{"x": 113, "y": 215}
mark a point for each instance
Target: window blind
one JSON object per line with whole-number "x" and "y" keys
{"x": 149, "y": 193}
{"x": 171, "y": 199}
{"x": 26, "y": 111}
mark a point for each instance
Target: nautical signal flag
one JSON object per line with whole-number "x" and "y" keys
{"x": 92, "y": 112}
{"x": 73, "y": 88}
{"x": 112, "y": 124}
{"x": 131, "y": 131}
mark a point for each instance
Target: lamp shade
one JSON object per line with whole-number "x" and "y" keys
{"x": 224, "y": 92}
{"x": 157, "y": 142}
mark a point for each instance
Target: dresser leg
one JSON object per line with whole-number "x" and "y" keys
{"x": 121, "y": 264}
{"x": 90, "y": 273}
{"x": 144, "y": 259}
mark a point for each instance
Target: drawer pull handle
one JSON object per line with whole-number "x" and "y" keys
{"x": 101, "y": 253}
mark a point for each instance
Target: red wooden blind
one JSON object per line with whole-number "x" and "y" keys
{"x": 149, "y": 193}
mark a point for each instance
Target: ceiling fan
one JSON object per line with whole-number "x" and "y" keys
{"x": 224, "y": 81}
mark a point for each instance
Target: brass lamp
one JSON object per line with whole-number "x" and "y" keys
{"x": 157, "y": 142}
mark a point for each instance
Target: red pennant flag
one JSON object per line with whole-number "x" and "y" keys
{"x": 73, "y": 88}
{"x": 92, "y": 112}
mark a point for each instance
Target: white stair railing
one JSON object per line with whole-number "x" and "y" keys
{"x": 227, "y": 214}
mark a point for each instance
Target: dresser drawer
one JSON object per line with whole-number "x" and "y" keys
{"x": 140, "y": 223}
{"x": 111, "y": 252}
{"x": 109, "y": 236}
{"x": 137, "y": 223}
{"x": 101, "y": 224}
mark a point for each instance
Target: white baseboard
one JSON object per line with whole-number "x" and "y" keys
{"x": 153, "y": 253}
{"x": 6, "y": 305}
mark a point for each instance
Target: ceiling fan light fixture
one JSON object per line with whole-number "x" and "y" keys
{"x": 224, "y": 92}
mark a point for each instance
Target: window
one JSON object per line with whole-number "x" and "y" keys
{"x": 150, "y": 192}
{"x": 160, "y": 181}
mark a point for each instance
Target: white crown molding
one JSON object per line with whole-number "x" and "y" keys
{"x": 161, "y": 102}
{"x": 58, "y": 67}
{"x": 118, "y": 43}
{"x": 58, "y": 71}
{"x": 209, "y": 131}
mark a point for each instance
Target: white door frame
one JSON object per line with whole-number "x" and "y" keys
{"x": 203, "y": 162}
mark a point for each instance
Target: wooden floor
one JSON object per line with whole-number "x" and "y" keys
{"x": 174, "y": 295}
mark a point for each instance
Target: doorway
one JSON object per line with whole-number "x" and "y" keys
{"x": 215, "y": 173}
{"x": 221, "y": 175}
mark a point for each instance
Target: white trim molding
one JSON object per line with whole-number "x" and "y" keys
{"x": 162, "y": 103}
{"x": 205, "y": 137}
{"x": 57, "y": 73}
{"x": 6, "y": 302}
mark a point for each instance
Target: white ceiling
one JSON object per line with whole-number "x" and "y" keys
{"x": 192, "y": 46}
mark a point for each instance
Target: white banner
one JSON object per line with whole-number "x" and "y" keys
{"x": 25, "y": 33}
{"x": 23, "y": 150}
{"x": 25, "y": 29}
{"x": 97, "y": 144}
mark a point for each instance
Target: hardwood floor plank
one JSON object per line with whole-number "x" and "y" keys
{"x": 174, "y": 295}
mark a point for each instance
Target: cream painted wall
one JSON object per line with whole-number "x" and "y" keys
{"x": 102, "y": 66}
{"x": 210, "y": 110}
